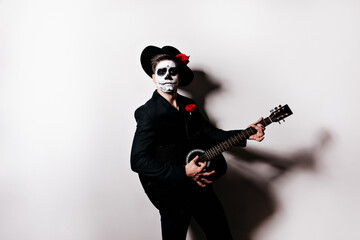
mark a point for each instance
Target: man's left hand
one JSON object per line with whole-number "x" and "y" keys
{"x": 259, "y": 135}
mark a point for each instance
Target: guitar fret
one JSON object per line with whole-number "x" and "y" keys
{"x": 268, "y": 120}
{"x": 242, "y": 133}
{"x": 221, "y": 147}
{"x": 238, "y": 137}
{"x": 226, "y": 145}
{"x": 208, "y": 155}
{"x": 247, "y": 132}
{"x": 212, "y": 153}
{"x": 231, "y": 144}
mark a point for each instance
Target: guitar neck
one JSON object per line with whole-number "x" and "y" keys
{"x": 232, "y": 141}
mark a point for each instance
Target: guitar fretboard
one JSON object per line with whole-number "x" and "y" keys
{"x": 231, "y": 142}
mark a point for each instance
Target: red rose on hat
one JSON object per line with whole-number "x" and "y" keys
{"x": 182, "y": 57}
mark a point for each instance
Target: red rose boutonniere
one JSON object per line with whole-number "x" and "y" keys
{"x": 190, "y": 108}
{"x": 182, "y": 57}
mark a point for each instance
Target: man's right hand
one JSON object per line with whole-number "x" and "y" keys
{"x": 194, "y": 171}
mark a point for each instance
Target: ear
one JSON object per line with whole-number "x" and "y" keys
{"x": 153, "y": 77}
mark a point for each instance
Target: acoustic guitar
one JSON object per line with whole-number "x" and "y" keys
{"x": 213, "y": 157}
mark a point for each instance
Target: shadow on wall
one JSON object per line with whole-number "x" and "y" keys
{"x": 245, "y": 192}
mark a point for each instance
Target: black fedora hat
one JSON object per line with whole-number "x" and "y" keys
{"x": 181, "y": 59}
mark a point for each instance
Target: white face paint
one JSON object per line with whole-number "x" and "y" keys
{"x": 166, "y": 76}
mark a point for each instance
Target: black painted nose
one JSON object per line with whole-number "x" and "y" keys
{"x": 168, "y": 77}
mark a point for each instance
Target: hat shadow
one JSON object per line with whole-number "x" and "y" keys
{"x": 246, "y": 194}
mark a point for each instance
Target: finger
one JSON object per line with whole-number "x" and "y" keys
{"x": 198, "y": 163}
{"x": 195, "y": 159}
{"x": 261, "y": 126}
{"x": 259, "y": 120}
{"x": 257, "y": 137}
{"x": 200, "y": 183}
{"x": 256, "y": 127}
{"x": 202, "y": 165}
{"x": 259, "y": 131}
{"x": 207, "y": 181}
{"x": 260, "y": 139}
{"x": 206, "y": 174}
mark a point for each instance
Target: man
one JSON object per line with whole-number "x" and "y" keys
{"x": 168, "y": 127}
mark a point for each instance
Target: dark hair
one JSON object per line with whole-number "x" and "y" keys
{"x": 158, "y": 58}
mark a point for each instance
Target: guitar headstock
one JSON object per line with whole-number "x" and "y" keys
{"x": 280, "y": 113}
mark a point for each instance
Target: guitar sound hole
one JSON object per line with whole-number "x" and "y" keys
{"x": 196, "y": 152}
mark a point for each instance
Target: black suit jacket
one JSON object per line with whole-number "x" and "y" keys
{"x": 164, "y": 136}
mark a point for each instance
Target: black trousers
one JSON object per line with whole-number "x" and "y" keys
{"x": 203, "y": 205}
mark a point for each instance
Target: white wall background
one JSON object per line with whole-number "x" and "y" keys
{"x": 70, "y": 80}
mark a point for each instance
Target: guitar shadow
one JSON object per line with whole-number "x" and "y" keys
{"x": 245, "y": 190}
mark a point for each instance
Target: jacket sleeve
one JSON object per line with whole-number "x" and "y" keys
{"x": 218, "y": 135}
{"x": 143, "y": 152}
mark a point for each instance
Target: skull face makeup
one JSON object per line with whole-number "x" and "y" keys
{"x": 166, "y": 76}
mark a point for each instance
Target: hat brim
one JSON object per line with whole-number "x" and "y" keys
{"x": 150, "y": 51}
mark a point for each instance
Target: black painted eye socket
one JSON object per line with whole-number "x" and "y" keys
{"x": 161, "y": 71}
{"x": 173, "y": 71}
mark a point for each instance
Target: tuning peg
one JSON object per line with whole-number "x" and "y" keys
{"x": 272, "y": 110}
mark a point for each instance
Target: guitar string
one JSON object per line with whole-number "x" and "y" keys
{"x": 232, "y": 141}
